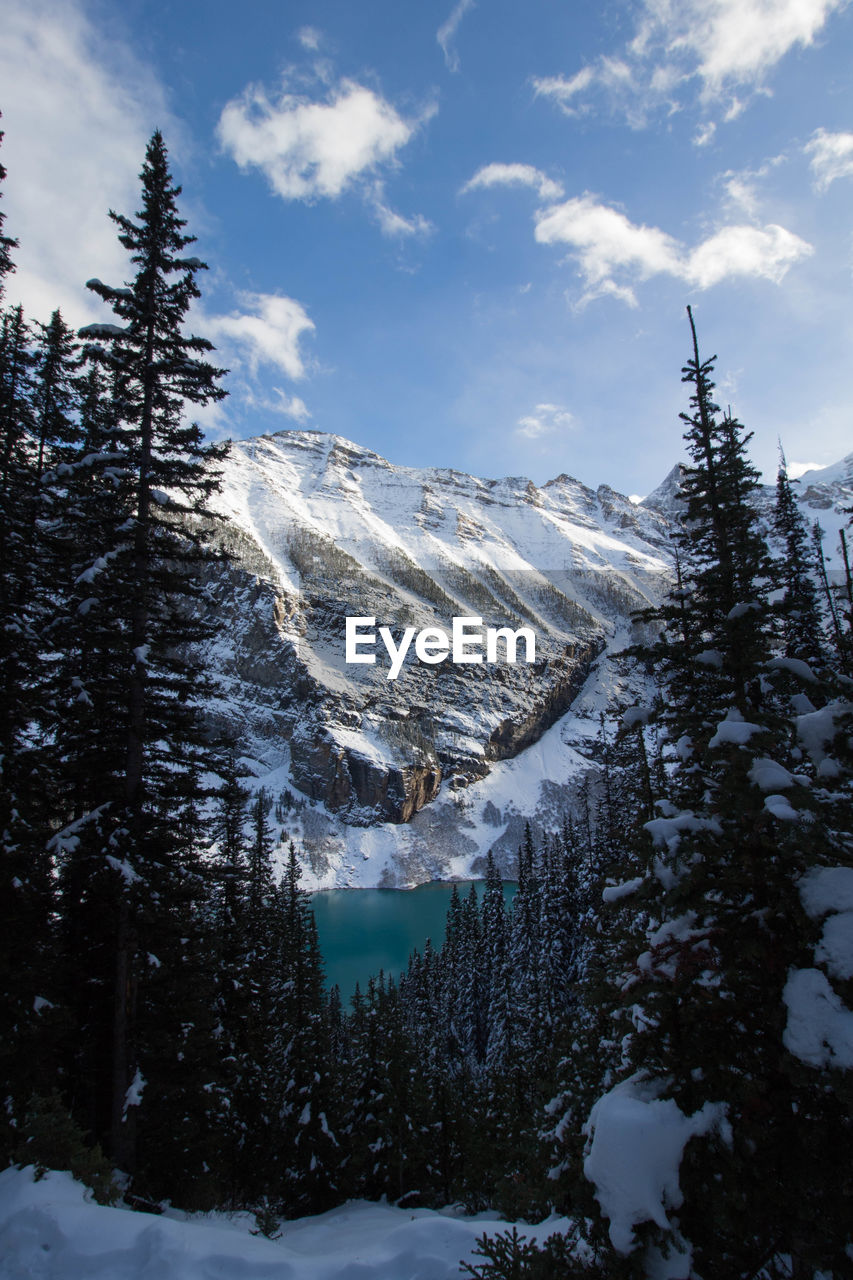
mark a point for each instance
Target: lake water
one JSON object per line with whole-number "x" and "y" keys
{"x": 364, "y": 930}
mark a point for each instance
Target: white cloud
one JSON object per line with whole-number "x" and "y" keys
{"x": 277, "y": 401}
{"x": 524, "y": 175}
{"x": 309, "y": 150}
{"x": 564, "y": 91}
{"x": 723, "y": 45}
{"x": 604, "y": 241}
{"x": 705, "y": 134}
{"x": 742, "y": 187}
{"x": 765, "y": 252}
{"x": 446, "y": 33}
{"x": 544, "y": 420}
{"x": 613, "y": 253}
{"x": 78, "y": 112}
{"x": 736, "y": 42}
{"x": 267, "y": 332}
{"x": 393, "y": 224}
{"x": 310, "y": 38}
{"x": 741, "y": 193}
{"x": 831, "y": 157}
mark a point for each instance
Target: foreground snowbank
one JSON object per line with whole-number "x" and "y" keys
{"x": 50, "y": 1230}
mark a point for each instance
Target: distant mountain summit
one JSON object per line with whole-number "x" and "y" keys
{"x": 665, "y": 497}
{"x": 827, "y": 486}
{"x": 400, "y": 781}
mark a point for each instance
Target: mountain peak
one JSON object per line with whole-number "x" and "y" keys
{"x": 665, "y": 497}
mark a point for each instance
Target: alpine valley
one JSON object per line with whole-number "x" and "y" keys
{"x": 393, "y": 783}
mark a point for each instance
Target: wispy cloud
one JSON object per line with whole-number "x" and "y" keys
{"x": 78, "y": 111}
{"x": 514, "y": 175}
{"x": 831, "y": 157}
{"x": 319, "y": 149}
{"x": 743, "y": 187}
{"x": 277, "y": 401}
{"x": 545, "y": 420}
{"x": 310, "y": 38}
{"x": 725, "y": 49}
{"x": 565, "y": 91}
{"x": 614, "y": 254}
{"x": 446, "y": 33}
{"x": 394, "y": 224}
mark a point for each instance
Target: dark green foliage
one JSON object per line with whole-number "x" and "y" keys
{"x": 829, "y": 598}
{"x": 512, "y": 1256}
{"x": 509, "y": 1256}
{"x": 51, "y": 1139}
{"x": 267, "y": 1221}
{"x": 702, "y": 947}
{"x": 802, "y": 633}
{"x": 7, "y": 244}
{"x": 303, "y": 1084}
{"x": 144, "y": 601}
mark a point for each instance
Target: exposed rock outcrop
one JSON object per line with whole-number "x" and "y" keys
{"x": 319, "y": 529}
{"x": 399, "y": 781}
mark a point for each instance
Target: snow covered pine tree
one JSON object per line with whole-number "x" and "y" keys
{"x": 143, "y": 597}
{"x": 721, "y": 1132}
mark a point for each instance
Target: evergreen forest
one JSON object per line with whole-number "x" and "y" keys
{"x": 672, "y": 988}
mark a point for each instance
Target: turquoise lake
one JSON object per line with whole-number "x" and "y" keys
{"x": 364, "y": 930}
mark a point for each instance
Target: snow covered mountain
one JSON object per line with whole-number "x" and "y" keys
{"x": 398, "y": 781}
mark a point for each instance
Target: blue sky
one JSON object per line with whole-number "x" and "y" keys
{"x": 465, "y": 234}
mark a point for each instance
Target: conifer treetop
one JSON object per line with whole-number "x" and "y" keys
{"x": 7, "y": 244}
{"x": 159, "y": 369}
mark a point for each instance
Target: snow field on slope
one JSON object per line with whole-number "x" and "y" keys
{"x": 51, "y": 1230}
{"x": 300, "y": 479}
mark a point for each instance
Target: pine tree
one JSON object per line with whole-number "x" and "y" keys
{"x": 704, "y": 1003}
{"x": 842, "y": 642}
{"x": 7, "y": 244}
{"x": 135, "y": 629}
{"x": 26, "y": 886}
{"x": 304, "y": 1081}
{"x": 802, "y": 634}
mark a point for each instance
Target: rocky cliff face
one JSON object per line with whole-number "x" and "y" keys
{"x": 398, "y": 781}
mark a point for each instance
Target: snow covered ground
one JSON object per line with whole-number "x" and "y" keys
{"x": 52, "y": 1230}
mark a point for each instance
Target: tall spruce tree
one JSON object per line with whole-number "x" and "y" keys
{"x": 802, "y": 633}
{"x": 705, "y": 1003}
{"x": 7, "y": 244}
{"x": 144, "y": 604}
{"x": 303, "y": 1082}
{"x": 711, "y": 940}
{"x": 25, "y": 883}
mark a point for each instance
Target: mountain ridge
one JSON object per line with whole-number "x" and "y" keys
{"x": 399, "y": 782}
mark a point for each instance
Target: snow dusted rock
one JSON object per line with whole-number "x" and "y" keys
{"x": 400, "y": 781}
{"x": 828, "y": 487}
{"x": 825, "y": 495}
{"x": 665, "y": 498}
{"x": 319, "y": 530}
